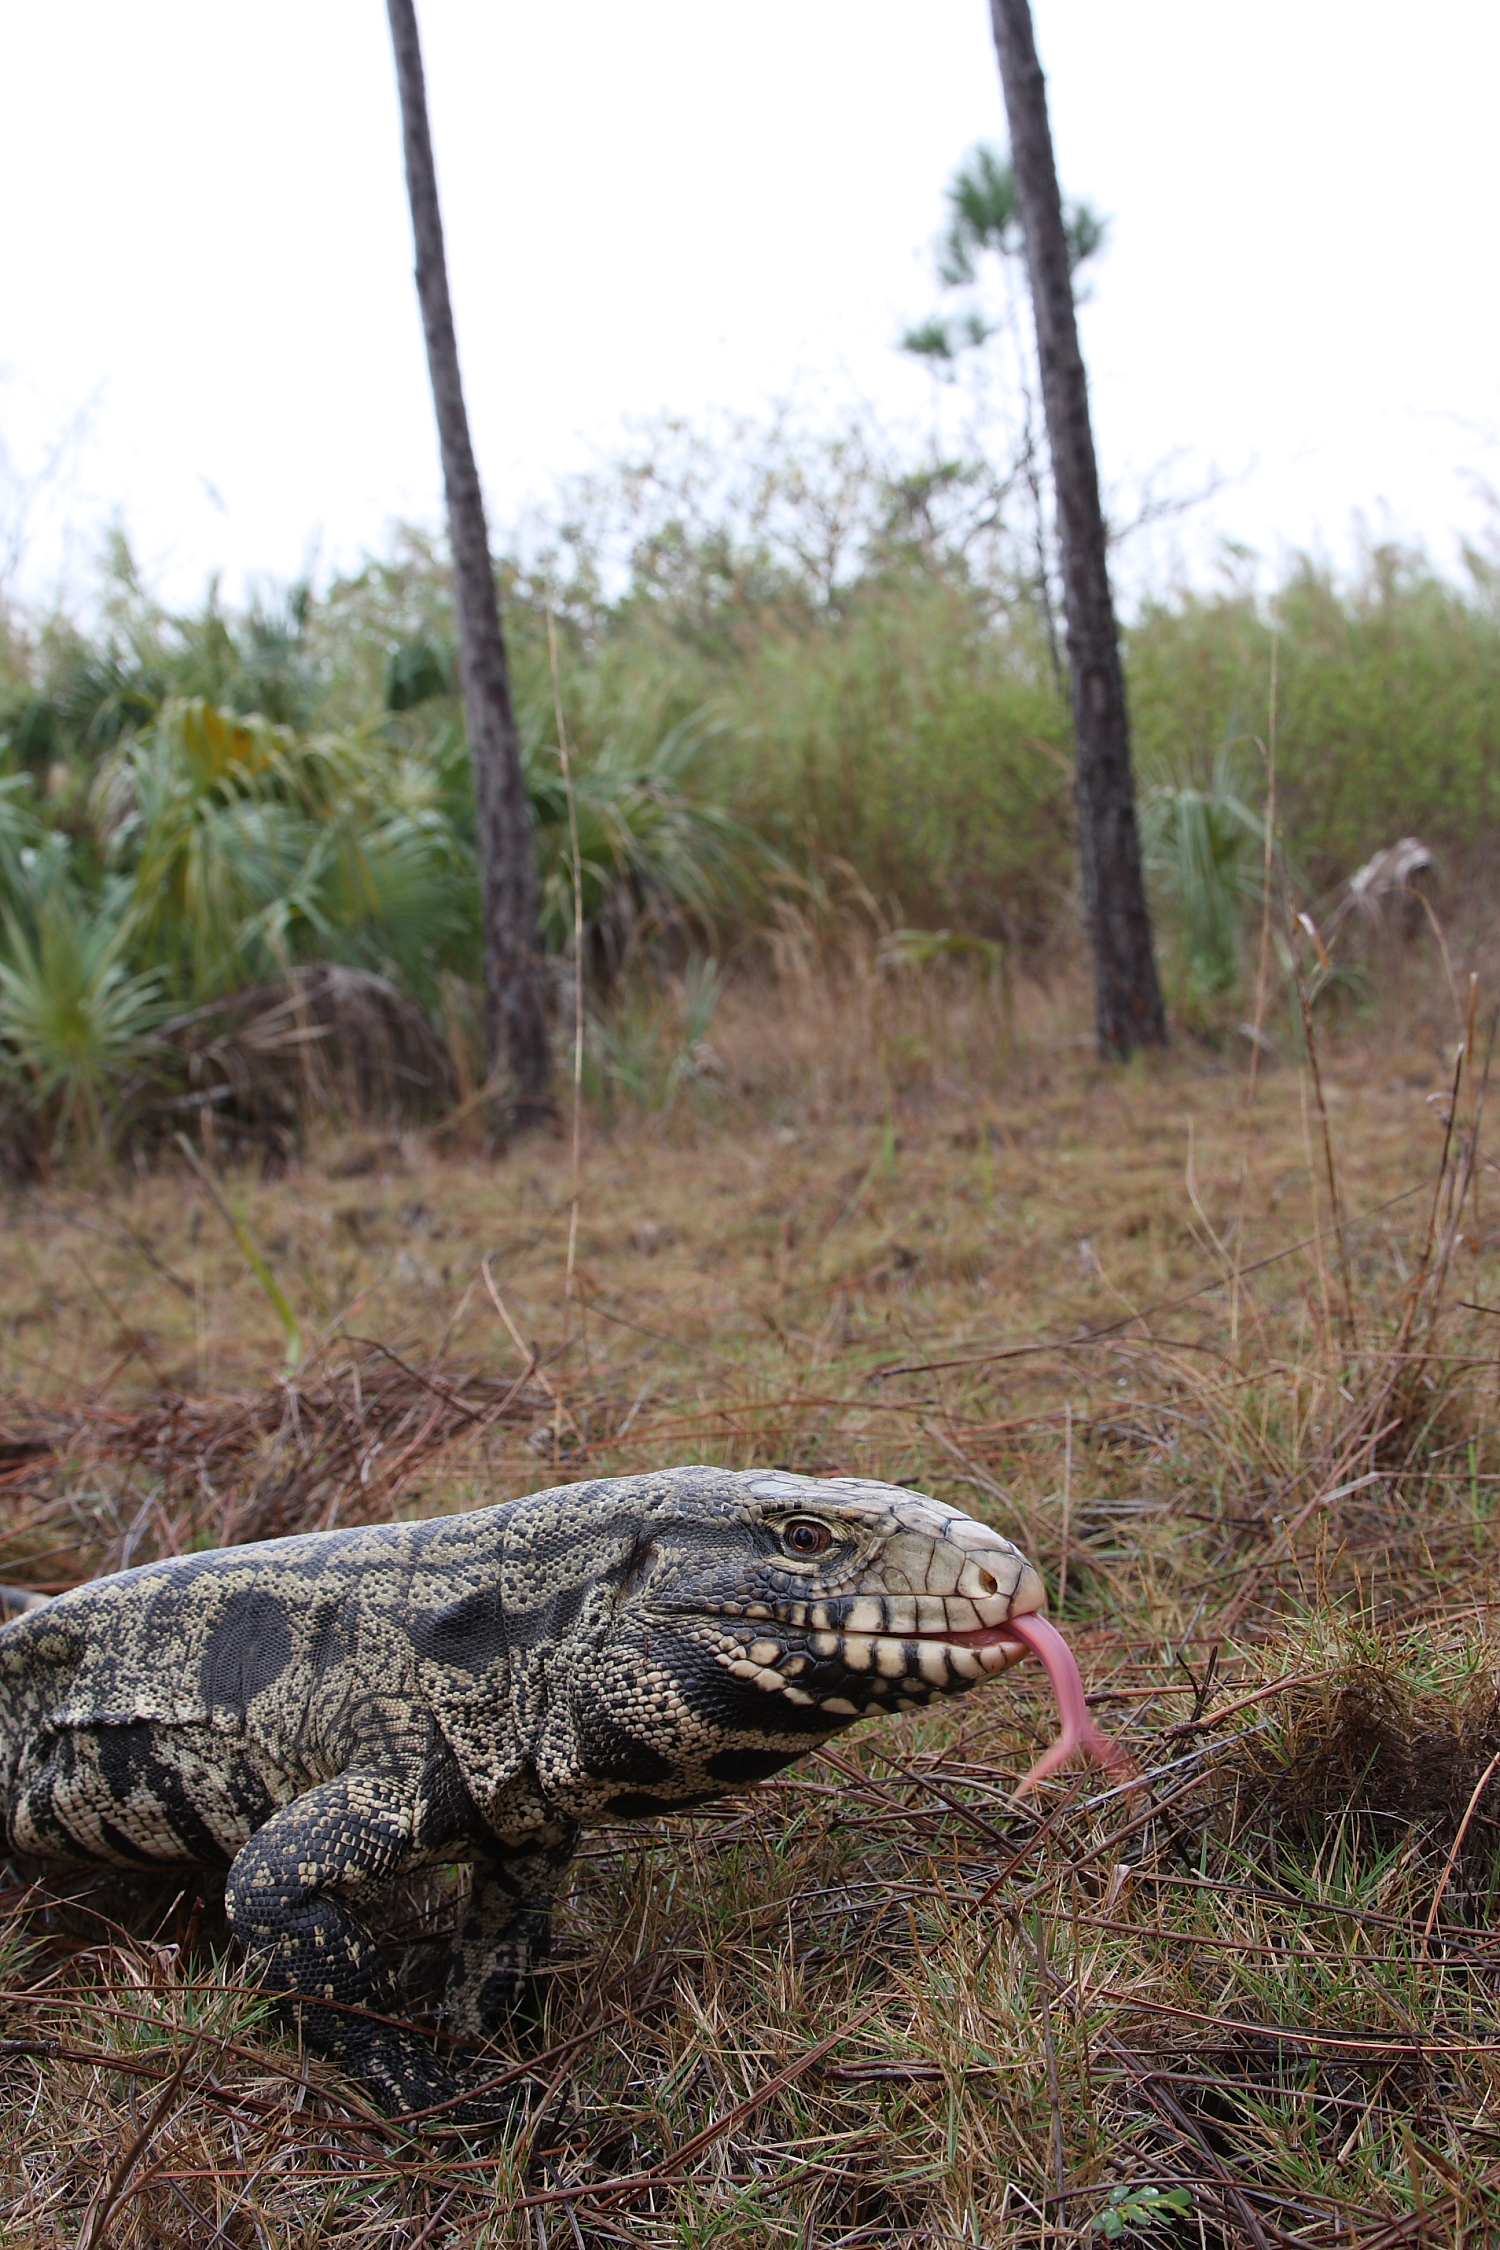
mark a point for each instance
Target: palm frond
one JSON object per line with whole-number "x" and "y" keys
{"x": 651, "y": 844}
{"x": 1197, "y": 838}
{"x": 75, "y": 1022}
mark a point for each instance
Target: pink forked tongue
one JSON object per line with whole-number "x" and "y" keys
{"x": 1079, "y": 1732}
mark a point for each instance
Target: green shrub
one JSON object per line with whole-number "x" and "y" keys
{"x": 791, "y": 666}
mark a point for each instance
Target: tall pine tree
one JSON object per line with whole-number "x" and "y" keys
{"x": 515, "y": 989}
{"x": 1127, "y": 995}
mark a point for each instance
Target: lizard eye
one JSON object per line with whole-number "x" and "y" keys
{"x": 804, "y": 1535}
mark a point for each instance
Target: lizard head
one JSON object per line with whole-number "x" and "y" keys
{"x": 842, "y": 1598}
{"x": 759, "y": 1614}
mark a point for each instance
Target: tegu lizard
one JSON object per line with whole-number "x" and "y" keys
{"x": 324, "y": 1714}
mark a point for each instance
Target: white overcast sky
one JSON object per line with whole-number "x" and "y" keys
{"x": 689, "y": 206}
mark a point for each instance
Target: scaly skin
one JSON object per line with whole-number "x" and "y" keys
{"x": 323, "y": 1715}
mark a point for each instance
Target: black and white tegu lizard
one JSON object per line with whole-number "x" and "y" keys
{"x": 324, "y": 1714}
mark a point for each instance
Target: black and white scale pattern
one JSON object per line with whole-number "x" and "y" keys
{"x": 322, "y": 1715}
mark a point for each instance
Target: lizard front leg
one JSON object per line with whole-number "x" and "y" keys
{"x": 289, "y": 1897}
{"x": 504, "y": 1934}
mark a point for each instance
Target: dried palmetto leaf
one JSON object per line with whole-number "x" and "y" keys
{"x": 326, "y": 1039}
{"x": 1387, "y": 875}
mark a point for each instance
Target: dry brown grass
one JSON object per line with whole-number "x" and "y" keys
{"x": 904, "y": 1227}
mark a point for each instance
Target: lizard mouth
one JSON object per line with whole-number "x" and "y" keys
{"x": 983, "y": 1636}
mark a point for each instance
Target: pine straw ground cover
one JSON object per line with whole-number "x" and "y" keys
{"x": 877, "y": 2001}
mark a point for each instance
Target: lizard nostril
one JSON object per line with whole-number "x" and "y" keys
{"x": 988, "y": 1582}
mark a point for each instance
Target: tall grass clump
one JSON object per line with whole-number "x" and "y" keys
{"x": 921, "y": 743}
{"x": 1388, "y": 702}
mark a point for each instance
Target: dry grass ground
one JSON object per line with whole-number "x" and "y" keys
{"x": 910, "y": 1229}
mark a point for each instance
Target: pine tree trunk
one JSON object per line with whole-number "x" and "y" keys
{"x": 1127, "y": 995}
{"x": 515, "y": 992}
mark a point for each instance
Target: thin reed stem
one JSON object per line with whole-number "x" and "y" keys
{"x": 1267, "y": 750}
{"x": 575, "y": 1186}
